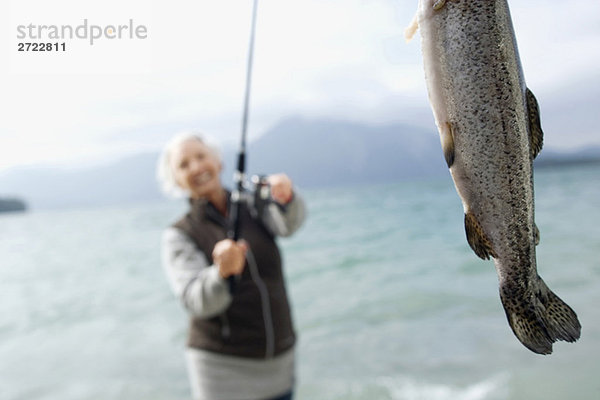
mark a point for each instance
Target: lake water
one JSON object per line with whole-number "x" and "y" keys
{"x": 388, "y": 299}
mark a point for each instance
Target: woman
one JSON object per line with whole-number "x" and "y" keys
{"x": 240, "y": 345}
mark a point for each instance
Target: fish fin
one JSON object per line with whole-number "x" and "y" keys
{"x": 536, "y": 135}
{"x": 439, "y": 4}
{"x": 560, "y": 319}
{"x": 536, "y": 234}
{"x": 477, "y": 239}
{"x": 525, "y": 320}
{"x": 411, "y": 29}
{"x": 447, "y": 139}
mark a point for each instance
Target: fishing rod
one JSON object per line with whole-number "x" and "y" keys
{"x": 239, "y": 175}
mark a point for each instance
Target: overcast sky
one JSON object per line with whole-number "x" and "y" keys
{"x": 343, "y": 59}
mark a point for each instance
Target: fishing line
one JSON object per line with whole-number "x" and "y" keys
{"x": 266, "y": 304}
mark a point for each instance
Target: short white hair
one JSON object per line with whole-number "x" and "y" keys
{"x": 164, "y": 171}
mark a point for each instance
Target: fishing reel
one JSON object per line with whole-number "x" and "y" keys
{"x": 257, "y": 194}
{"x": 261, "y": 187}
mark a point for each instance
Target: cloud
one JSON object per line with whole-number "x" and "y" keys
{"x": 559, "y": 41}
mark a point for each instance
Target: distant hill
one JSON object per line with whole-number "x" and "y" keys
{"x": 128, "y": 180}
{"x": 12, "y": 205}
{"x": 313, "y": 152}
{"x": 325, "y": 153}
{"x": 549, "y": 158}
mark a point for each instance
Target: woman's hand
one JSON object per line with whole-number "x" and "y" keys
{"x": 281, "y": 188}
{"x": 230, "y": 257}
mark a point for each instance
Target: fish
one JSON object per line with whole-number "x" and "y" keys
{"x": 490, "y": 133}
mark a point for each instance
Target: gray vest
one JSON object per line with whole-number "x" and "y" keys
{"x": 258, "y": 323}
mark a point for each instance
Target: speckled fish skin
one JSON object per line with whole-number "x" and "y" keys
{"x": 490, "y": 133}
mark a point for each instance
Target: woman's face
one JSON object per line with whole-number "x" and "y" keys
{"x": 196, "y": 169}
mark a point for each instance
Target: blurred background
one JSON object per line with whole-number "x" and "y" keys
{"x": 389, "y": 300}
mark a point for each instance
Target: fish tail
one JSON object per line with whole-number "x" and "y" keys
{"x": 539, "y": 318}
{"x": 560, "y": 319}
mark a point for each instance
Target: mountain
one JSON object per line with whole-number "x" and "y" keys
{"x": 550, "y": 158}
{"x": 127, "y": 180}
{"x": 325, "y": 153}
{"x": 314, "y": 152}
